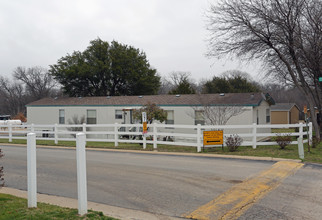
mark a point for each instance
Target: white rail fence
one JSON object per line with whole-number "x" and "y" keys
{"x": 182, "y": 135}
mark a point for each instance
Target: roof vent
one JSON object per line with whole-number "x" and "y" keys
{"x": 56, "y": 98}
{"x": 140, "y": 96}
{"x": 80, "y": 97}
{"x": 108, "y": 97}
{"x": 252, "y": 96}
{"x": 178, "y": 95}
{"x": 222, "y": 94}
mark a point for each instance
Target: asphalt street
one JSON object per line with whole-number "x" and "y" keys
{"x": 164, "y": 184}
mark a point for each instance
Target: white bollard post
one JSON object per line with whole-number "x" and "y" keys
{"x": 254, "y": 135}
{"x": 300, "y": 147}
{"x": 32, "y": 170}
{"x": 81, "y": 173}
{"x": 198, "y": 138}
{"x": 116, "y": 135}
{"x": 155, "y": 137}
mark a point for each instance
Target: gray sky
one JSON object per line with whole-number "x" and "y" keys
{"x": 172, "y": 33}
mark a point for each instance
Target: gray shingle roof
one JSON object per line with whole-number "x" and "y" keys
{"x": 283, "y": 106}
{"x": 243, "y": 99}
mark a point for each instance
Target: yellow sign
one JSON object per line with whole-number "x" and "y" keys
{"x": 305, "y": 109}
{"x": 145, "y": 127}
{"x": 213, "y": 137}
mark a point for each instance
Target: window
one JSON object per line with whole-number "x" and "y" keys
{"x": 118, "y": 114}
{"x": 61, "y": 116}
{"x": 91, "y": 117}
{"x": 170, "y": 118}
{"x": 199, "y": 117}
{"x": 268, "y": 116}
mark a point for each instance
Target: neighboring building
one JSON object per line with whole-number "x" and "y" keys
{"x": 285, "y": 113}
{"x": 181, "y": 109}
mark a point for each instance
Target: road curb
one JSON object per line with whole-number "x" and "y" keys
{"x": 171, "y": 153}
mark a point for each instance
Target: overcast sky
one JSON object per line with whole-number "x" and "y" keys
{"x": 172, "y": 33}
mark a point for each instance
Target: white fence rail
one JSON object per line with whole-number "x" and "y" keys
{"x": 181, "y": 135}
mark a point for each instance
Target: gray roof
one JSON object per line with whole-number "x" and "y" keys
{"x": 241, "y": 99}
{"x": 283, "y": 106}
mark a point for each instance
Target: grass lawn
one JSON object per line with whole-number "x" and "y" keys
{"x": 12, "y": 207}
{"x": 291, "y": 152}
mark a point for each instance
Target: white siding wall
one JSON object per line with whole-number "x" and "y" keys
{"x": 261, "y": 116}
{"x": 106, "y": 115}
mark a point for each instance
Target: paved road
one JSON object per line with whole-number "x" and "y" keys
{"x": 299, "y": 197}
{"x": 168, "y": 185}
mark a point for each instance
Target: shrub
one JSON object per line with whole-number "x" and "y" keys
{"x": 1, "y": 172}
{"x": 233, "y": 142}
{"x": 315, "y": 142}
{"x": 20, "y": 116}
{"x": 283, "y": 140}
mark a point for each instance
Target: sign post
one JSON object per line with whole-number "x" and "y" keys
{"x": 145, "y": 128}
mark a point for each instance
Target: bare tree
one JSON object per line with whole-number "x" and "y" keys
{"x": 38, "y": 82}
{"x": 214, "y": 115}
{"x": 13, "y": 99}
{"x": 178, "y": 82}
{"x": 219, "y": 115}
{"x": 284, "y": 34}
{"x": 165, "y": 87}
{"x": 75, "y": 120}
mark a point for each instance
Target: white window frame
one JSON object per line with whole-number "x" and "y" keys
{"x": 90, "y": 119}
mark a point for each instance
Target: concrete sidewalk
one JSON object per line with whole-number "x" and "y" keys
{"x": 112, "y": 211}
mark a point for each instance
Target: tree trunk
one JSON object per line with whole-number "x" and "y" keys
{"x": 314, "y": 118}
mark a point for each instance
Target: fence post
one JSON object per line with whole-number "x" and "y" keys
{"x": 56, "y": 134}
{"x": 300, "y": 147}
{"x": 301, "y": 130}
{"x": 198, "y": 138}
{"x": 254, "y": 135}
{"x": 310, "y": 134}
{"x": 144, "y": 140}
{"x": 116, "y": 135}
{"x": 10, "y": 132}
{"x": 32, "y": 170}
{"x": 155, "y": 137}
{"x": 32, "y": 129}
{"x": 81, "y": 173}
